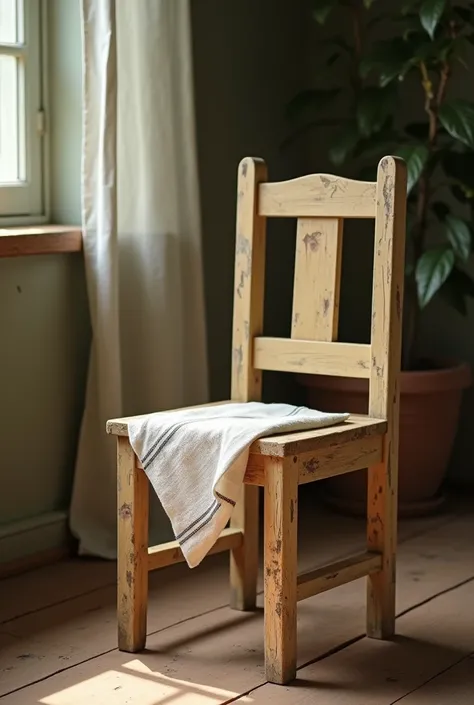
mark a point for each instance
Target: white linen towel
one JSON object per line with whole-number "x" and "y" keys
{"x": 196, "y": 458}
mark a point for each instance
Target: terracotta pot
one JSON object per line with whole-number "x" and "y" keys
{"x": 430, "y": 402}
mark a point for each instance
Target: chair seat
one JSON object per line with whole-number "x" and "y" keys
{"x": 357, "y": 427}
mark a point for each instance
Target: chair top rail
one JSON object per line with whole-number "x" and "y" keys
{"x": 318, "y": 196}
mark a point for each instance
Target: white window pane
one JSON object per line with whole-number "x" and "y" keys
{"x": 9, "y": 120}
{"x": 9, "y": 21}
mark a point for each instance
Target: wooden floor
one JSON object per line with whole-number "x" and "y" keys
{"x": 58, "y": 630}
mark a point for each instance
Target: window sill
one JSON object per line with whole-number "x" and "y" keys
{"x": 40, "y": 240}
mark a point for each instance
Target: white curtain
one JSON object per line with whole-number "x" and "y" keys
{"x": 142, "y": 241}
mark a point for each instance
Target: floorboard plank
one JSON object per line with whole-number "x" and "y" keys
{"x": 453, "y": 687}
{"x": 73, "y": 578}
{"x": 431, "y": 639}
{"x": 222, "y": 647}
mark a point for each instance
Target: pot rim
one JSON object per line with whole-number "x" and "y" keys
{"x": 452, "y": 376}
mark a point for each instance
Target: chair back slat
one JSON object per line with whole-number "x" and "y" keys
{"x": 317, "y": 279}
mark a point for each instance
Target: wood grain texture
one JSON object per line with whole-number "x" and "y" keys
{"x": 355, "y": 428}
{"x": 249, "y": 283}
{"x": 338, "y": 573}
{"x": 326, "y": 462}
{"x": 132, "y": 559}
{"x": 318, "y": 196}
{"x": 387, "y": 307}
{"x": 44, "y": 240}
{"x": 119, "y": 427}
{"x": 317, "y": 279}
{"x": 339, "y": 460}
{"x": 280, "y": 569}
{"x": 169, "y": 553}
{"x": 244, "y": 557}
{"x": 72, "y": 642}
{"x": 246, "y": 381}
{"x": 312, "y": 357}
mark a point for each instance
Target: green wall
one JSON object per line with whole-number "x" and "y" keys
{"x": 45, "y": 331}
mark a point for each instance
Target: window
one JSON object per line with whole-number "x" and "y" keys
{"x": 22, "y": 197}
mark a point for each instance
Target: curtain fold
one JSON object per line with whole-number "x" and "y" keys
{"x": 142, "y": 240}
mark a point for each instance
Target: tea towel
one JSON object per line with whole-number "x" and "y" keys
{"x": 196, "y": 458}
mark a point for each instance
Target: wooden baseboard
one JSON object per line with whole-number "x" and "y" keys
{"x": 30, "y": 543}
{"x": 35, "y": 560}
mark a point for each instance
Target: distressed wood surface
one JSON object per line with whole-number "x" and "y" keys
{"x": 249, "y": 282}
{"x": 337, "y": 573}
{"x": 321, "y": 453}
{"x": 169, "y": 553}
{"x": 318, "y": 196}
{"x": 244, "y": 557}
{"x": 132, "y": 559}
{"x": 326, "y": 462}
{"x": 317, "y": 279}
{"x": 280, "y": 569}
{"x": 338, "y": 460}
{"x": 355, "y": 428}
{"x": 119, "y": 427}
{"x": 246, "y": 381}
{"x": 387, "y": 307}
{"x": 312, "y": 357}
{"x": 70, "y": 645}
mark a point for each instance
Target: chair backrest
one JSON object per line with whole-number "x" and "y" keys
{"x": 320, "y": 203}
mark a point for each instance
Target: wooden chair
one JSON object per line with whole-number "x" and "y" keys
{"x": 280, "y": 463}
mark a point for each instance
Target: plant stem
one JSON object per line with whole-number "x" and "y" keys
{"x": 432, "y": 104}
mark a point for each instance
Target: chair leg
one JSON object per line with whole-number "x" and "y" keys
{"x": 244, "y": 559}
{"x": 382, "y": 537}
{"x": 280, "y": 569}
{"x": 132, "y": 550}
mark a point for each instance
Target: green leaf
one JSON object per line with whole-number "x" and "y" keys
{"x": 440, "y": 209}
{"x": 368, "y": 4}
{"x": 457, "y": 118}
{"x": 415, "y": 157}
{"x": 312, "y": 100}
{"x": 431, "y": 12}
{"x": 390, "y": 59}
{"x": 432, "y": 270}
{"x": 343, "y": 145}
{"x": 322, "y": 9}
{"x": 459, "y": 235}
{"x": 374, "y": 106}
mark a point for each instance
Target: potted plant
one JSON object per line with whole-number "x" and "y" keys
{"x": 420, "y": 45}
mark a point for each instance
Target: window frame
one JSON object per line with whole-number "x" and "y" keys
{"x": 28, "y": 203}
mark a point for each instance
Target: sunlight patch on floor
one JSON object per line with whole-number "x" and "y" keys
{"x": 136, "y": 681}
